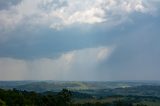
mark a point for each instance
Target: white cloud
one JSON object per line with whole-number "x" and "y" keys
{"x": 62, "y": 13}
{"x": 74, "y": 65}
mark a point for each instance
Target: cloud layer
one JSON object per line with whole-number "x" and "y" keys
{"x": 69, "y": 66}
{"x": 69, "y": 39}
{"x": 64, "y": 13}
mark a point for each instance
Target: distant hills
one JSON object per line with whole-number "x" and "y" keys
{"x": 91, "y": 92}
{"x": 87, "y": 87}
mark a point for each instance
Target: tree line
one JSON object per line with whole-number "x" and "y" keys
{"x": 63, "y": 98}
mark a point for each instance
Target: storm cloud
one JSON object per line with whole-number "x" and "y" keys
{"x": 79, "y": 40}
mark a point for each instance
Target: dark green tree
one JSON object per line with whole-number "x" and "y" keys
{"x": 64, "y": 97}
{"x": 2, "y": 103}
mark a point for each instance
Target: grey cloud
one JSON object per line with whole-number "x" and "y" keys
{"x": 137, "y": 54}
{"x": 59, "y": 14}
{"x": 6, "y": 4}
{"x": 72, "y": 65}
{"x": 134, "y": 31}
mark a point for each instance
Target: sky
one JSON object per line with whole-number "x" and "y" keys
{"x": 80, "y": 40}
